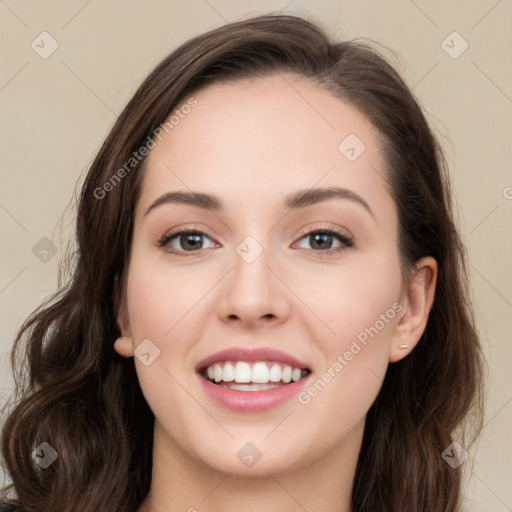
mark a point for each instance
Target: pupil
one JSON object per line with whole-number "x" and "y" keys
{"x": 188, "y": 237}
{"x": 323, "y": 238}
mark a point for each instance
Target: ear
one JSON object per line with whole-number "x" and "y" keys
{"x": 417, "y": 302}
{"x": 124, "y": 344}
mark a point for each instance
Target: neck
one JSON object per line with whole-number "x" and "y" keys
{"x": 180, "y": 482}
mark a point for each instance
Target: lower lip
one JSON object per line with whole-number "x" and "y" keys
{"x": 252, "y": 401}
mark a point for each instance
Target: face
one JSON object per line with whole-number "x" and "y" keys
{"x": 311, "y": 283}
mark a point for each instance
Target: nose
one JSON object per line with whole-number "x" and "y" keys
{"x": 253, "y": 294}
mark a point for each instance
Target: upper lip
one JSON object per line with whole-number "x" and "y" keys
{"x": 249, "y": 355}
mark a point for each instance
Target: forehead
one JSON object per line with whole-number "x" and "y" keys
{"x": 262, "y": 138}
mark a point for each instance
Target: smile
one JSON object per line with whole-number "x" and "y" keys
{"x": 252, "y": 376}
{"x": 252, "y": 380}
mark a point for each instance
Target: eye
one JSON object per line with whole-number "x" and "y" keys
{"x": 191, "y": 241}
{"x": 187, "y": 241}
{"x": 321, "y": 240}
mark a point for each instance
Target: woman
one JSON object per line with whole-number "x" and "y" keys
{"x": 268, "y": 307}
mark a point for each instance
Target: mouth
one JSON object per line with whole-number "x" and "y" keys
{"x": 245, "y": 381}
{"x": 252, "y": 376}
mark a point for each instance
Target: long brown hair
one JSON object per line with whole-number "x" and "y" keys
{"x": 75, "y": 393}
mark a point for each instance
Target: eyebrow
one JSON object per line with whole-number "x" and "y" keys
{"x": 298, "y": 199}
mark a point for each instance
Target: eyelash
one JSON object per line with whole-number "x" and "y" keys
{"x": 346, "y": 241}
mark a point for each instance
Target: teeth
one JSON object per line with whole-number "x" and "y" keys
{"x": 242, "y": 372}
{"x": 296, "y": 374}
{"x": 275, "y": 373}
{"x": 259, "y": 374}
{"x": 250, "y": 387}
{"x": 229, "y": 373}
{"x": 217, "y": 372}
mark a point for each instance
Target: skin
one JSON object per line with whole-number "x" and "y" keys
{"x": 251, "y": 143}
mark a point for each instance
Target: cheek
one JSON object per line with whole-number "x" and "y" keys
{"x": 163, "y": 304}
{"x": 161, "y": 296}
{"x": 355, "y": 358}
{"x": 168, "y": 305}
{"x": 353, "y": 298}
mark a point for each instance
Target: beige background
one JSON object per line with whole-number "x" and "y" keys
{"x": 56, "y": 111}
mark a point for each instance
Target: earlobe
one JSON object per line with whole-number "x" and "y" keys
{"x": 417, "y": 303}
{"x": 124, "y": 346}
